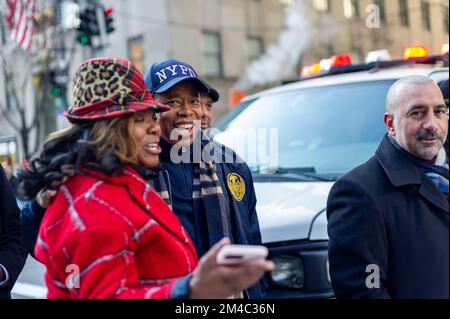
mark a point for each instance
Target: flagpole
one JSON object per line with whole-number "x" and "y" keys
{"x": 5, "y": 77}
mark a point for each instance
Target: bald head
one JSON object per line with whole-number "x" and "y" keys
{"x": 416, "y": 116}
{"x": 400, "y": 90}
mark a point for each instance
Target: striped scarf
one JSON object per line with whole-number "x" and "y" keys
{"x": 438, "y": 172}
{"x": 208, "y": 192}
{"x": 208, "y": 197}
{"x": 440, "y": 180}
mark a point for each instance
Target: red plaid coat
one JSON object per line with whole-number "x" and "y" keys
{"x": 112, "y": 237}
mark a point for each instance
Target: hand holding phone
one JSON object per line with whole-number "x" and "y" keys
{"x": 237, "y": 254}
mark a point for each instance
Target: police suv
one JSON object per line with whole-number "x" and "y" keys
{"x": 323, "y": 125}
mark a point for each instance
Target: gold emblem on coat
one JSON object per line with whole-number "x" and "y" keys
{"x": 236, "y": 185}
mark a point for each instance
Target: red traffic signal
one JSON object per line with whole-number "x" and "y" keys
{"x": 108, "y": 11}
{"x": 109, "y": 19}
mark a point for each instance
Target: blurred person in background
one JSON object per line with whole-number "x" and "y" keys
{"x": 208, "y": 99}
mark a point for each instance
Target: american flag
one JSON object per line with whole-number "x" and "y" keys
{"x": 19, "y": 20}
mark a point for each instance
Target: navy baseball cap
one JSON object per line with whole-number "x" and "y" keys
{"x": 162, "y": 76}
{"x": 212, "y": 93}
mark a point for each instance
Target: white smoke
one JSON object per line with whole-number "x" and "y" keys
{"x": 281, "y": 57}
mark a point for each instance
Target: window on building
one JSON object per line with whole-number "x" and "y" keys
{"x": 444, "y": 9}
{"x": 255, "y": 48}
{"x": 136, "y": 52}
{"x": 382, "y": 6}
{"x": 322, "y": 5}
{"x": 404, "y": 13}
{"x": 212, "y": 56}
{"x": 351, "y": 8}
{"x": 426, "y": 15}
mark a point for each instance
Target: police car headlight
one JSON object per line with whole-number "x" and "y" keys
{"x": 288, "y": 272}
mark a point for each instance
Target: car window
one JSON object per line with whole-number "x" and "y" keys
{"x": 326, "y": 130}
{"x": 439, "y": 76}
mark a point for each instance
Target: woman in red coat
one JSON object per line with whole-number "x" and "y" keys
{"x": 108, "y": 234}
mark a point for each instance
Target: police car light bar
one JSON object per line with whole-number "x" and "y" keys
{"x": 415, "y": 52}
{"x": 311, "y": 70}
{"x": 341, "y": 60}
{"x": 378, "y": 55}
{"x": 327, "y": 67}
{"x": 327, "y": 64}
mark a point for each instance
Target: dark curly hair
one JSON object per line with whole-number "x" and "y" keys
{"x": 104, "y": 145}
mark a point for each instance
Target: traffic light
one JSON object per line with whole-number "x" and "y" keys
{"x": 109, "y": 20}
{"x": 58, "y": 82}
{"x": 89, "y": 26}
{"x": 56, "y": 91}
{"x": 84, "y": 39}
{"x": 55, "y": 86}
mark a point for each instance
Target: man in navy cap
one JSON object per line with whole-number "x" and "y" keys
{"x": 213, "y": 197}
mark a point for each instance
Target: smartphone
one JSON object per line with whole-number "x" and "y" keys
{"x": 236, "y": 254}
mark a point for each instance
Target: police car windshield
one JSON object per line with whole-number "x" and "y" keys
{"x": 331, "y": 129}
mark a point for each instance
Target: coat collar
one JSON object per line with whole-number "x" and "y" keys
{"x": 147, "y": 198}
{"x": 402, "y": 172}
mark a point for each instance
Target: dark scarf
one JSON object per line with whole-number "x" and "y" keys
{"x": 438, "y": 174}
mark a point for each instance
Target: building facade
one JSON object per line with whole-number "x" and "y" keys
{"x": 402, "y": 23}
{"x": 221, "y": 38}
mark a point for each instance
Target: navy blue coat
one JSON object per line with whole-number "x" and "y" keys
{"x": 12, "y": 252}
{"x": 388, "y": 213}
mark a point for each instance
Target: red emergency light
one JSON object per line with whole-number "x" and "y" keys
{"x": 341, "y": 60}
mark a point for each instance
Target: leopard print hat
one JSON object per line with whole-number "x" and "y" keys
{"x": 109, "y": 87}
